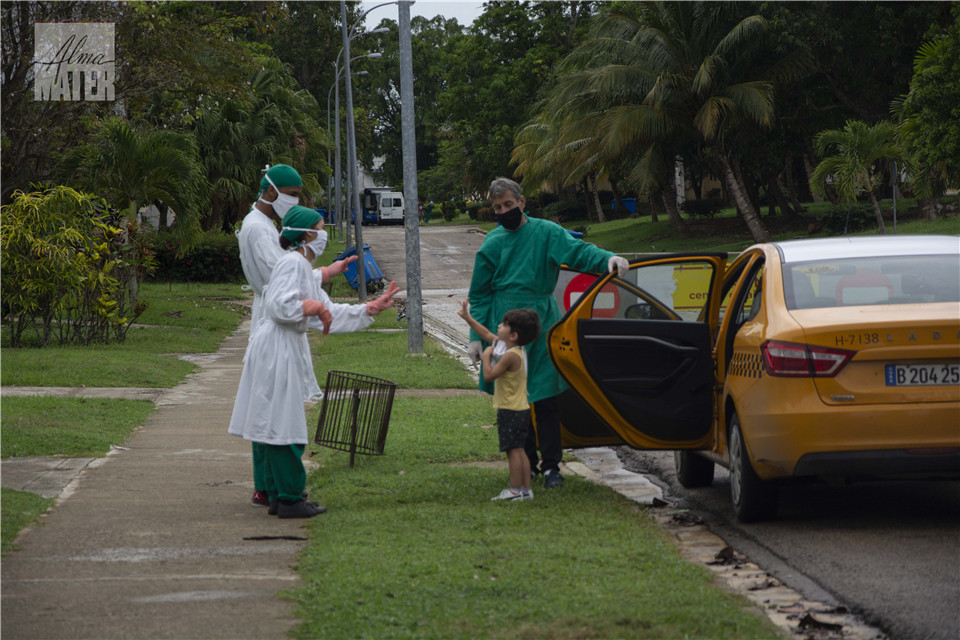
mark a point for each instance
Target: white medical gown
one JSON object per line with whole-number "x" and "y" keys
{"x": 278, "y": 372}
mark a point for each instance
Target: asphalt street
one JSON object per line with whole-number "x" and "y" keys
{"x": 888, "y": 550}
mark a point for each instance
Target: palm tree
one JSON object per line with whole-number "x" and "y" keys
{"x": 131, "y": 168}
{"x": 669, "y": 77}
{"x": 851, "y": 156}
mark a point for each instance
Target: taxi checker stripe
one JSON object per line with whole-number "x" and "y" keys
{"x": 747, "y": 365}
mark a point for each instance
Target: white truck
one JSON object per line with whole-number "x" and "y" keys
{"x": 382, "y": 205}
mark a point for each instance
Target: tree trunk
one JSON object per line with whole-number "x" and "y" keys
{"x": 750, "y": 216}
{"x": 929, "y": 207}
{"x": 163, "y": 223}
{"x": 777, "y": 193}
{"x": 592, "y": 181}
{"x": 584, "y": 185}
{"x": 654, "y": 208}
{"x": 617, "y": 199}
{"x": 133, "y": 282}
{"x": 876, "y": 212}
{"x": 668, "y": 194}
{"x": 749, "y": 190}
{"x": 792, "y": 186}
{"x": 808, "y": 167}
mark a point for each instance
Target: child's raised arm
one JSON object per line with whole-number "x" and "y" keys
{"x": 509, "y": 361}
{"x": 485, "y": 334}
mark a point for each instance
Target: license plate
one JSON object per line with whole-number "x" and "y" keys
{"x": 922, "y": 375}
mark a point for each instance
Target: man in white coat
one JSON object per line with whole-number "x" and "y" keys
{"x": 259, "y": 241}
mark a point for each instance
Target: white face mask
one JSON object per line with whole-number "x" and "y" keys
{"x": 283, "y": 203}
{"x": 318, "y": 244}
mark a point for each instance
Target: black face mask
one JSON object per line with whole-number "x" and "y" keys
{"x": 511, "y": 219}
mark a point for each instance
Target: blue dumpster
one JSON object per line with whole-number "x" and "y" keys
{"x": 329, "y": 217}
{"x": 371, "y": 270}
{"x": 629, "y": 203}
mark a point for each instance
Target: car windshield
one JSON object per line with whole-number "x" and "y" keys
{"x": 869, "y": 281}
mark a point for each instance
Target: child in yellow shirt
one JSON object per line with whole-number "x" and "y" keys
{"x": 504, "y": 364}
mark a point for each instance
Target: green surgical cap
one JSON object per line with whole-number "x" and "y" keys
{"x": 283, "y": 175}
{"x": 299, "y": 218}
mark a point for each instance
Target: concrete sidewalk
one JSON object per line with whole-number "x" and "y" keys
{"x": 160, "y": 540}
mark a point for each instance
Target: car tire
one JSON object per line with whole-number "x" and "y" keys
{"x": 693, "y": 470}
{"x": 753, "y": 499}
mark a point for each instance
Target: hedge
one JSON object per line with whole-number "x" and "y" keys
{"x": 216, "y": 258}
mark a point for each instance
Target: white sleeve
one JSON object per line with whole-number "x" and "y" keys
{"x": 346, "y": 317}
{"x": 282, "y": 299}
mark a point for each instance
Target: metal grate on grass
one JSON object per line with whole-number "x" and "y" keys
{"x": 355, "y": 413}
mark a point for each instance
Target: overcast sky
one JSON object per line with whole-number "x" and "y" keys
{"x": 465, "y": 11}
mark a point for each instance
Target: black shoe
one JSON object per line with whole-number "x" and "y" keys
{"x": 299, "y": 509}
{"x": 275, "y": 506}
{"x": 552, "y": 479}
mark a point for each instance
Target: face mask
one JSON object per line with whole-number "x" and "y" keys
{"x": 283, "y": 203}
{"x": 318, "y": 244}
{"x": 510, "y": 220}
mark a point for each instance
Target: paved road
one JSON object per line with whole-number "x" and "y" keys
{"x": 890, "y": 551}
{"x": 446, "y": 264}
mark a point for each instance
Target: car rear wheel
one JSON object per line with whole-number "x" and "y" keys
{"x": 753, "y": 499}
{"x": 692, "y": 470}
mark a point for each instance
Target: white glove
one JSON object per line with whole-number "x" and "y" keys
{"x": 474, "y": 350}
{"x": 620, "y": 264}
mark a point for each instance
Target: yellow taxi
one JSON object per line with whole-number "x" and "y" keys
{"x": 830, "y": 358}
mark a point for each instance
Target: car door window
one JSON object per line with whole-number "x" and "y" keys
{"x": 656, "y": 292}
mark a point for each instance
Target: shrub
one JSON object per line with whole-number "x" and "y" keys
{"x": 704, "y": 208}
{"x": 448, "y": 210}
{"x": 215, "y": 258}
{"x": 564, "y": 210}
{"x": 835, "y": 219}
{"x": 473, "y": 210}
{"x": 69, "y": 268}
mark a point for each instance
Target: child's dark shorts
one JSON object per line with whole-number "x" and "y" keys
{"x": 512, "y": 427}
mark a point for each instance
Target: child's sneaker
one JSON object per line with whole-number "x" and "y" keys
{"x": 509, "y": 494}
{"x": 526, "y": 494}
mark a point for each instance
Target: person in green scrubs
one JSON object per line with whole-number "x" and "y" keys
{"x": 517, "y": 267}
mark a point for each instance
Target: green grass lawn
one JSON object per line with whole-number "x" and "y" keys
{"x": 72, "y": 427}
{"x": 412, "y": 547}
{"x": 20, "y": 509}
{"x": 180, "y": 319}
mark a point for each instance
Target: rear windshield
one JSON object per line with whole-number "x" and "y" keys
{"x": 867, "y": 281}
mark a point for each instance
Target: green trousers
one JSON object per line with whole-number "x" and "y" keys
{"x": 283, "y": 474}
{"x": 259, "y": 468}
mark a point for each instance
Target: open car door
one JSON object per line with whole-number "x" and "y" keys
{"x": 637, "y": 353}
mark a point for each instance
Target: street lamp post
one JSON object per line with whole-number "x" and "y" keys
{"x": 351, "y": 145}
{"x": 336, "y": 184}
{"x": 338, "y": 72}
{"x": 411, "y": 218}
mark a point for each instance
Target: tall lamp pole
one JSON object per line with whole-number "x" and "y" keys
{"x": 411, "y": 218}
{"x": 351, "y": 145}
{"x": 336, "y": 183}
